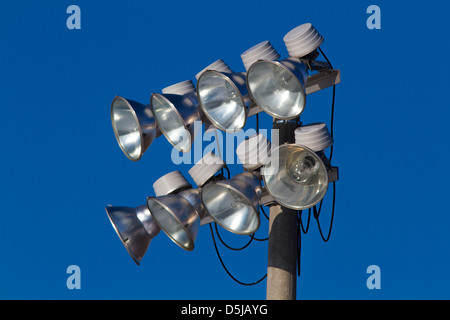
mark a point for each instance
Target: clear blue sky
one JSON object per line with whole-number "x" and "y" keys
{"x": 60, "y": 163}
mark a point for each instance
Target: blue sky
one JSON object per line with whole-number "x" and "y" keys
{"x": 60, "y": 163}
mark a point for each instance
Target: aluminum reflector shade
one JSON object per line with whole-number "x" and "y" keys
{"x": 295, "y": 176}
{"x": 175, "y": 116}
{"x": 133, "y": 125}
{"x": 177, "y": 218}
{"x": 224, "y": 99}
{"x": 135, "y": 228}
{"x": 278, "y": 87}
{"x": 233, "y": 204}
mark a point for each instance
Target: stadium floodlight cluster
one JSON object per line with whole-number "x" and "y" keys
{"x": 295, "y": 174}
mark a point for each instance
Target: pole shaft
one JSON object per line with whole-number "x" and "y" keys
{"x": 282, "y": 264}
{"x": 282, "y": 254}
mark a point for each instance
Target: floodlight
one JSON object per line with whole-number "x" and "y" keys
{"x": 223, "y": 97}
{"x": 302, "y": 40}
{"x": 177, "y": 209}
{"x": 135, "y": 228}
{"x": 177, "y": 217}
{"x": 233, "y": 204}
{"x": 133, "y": 125}
{"x": 295, "y": 176}
{"x": 278, "y": 87}
{"x": 175, "y": 115}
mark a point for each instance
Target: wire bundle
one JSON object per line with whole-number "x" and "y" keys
{"x": 300, "y": 227}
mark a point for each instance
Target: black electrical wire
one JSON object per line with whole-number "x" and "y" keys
{"x": 331, "y": 66}
{"x": 316, "y": 215}
{"x": 299, "y": 241}
{"x": 301, "y": 222}
{"x": 229, "y": 247}
{"x": 257, "y": 123}
{"x": 317, "y": 212}
{"x": 228, "y": 171}
{"x": 225, "y": 268}
{"x": 253, "y": 235}
{"x": 256, "y": 239}
{"x": 265, "y": 215}
{"x": 332, "y": 119}
{"x": 332, "y": 104}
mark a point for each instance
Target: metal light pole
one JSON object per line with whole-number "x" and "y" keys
{"x": 281, "y": 268}
{"x": 282, "y": 252}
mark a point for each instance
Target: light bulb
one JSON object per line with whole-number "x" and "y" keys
{"x": 304, "y": 170}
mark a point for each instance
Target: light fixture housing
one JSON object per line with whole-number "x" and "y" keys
{"x": 206, "y": 168}
{"x": 170, "y": 183}
{"x": 178, "y": 215}
{"x": 223, "y": 97}
{"x": 134, "y": 126}
{"x": 135, "y": 228}
{"x": 302, "y": 40}
{"x": 277, "y": 86}
{"x": 295, "y": 176}
{"x": 261, "y": 51}
{"x": 315, "y": 136}
{"x": 175, "y": 112}
{"x": 234, "y": 204}
{"x": 253, "y": 152}
{"x": 177, "y": 209}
